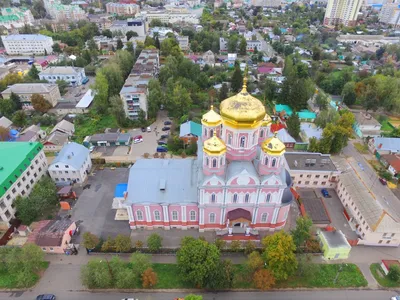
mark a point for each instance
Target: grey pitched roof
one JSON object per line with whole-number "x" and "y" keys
{"x": 72, "y": 154}
{"x": 64, "y": 126}
{"x": 335, "y": 239}
{"x": 147, "y": 177}
{"x": 30, "y": 88}
{"x": 4, "y": 122}
{"x": 57, "y": 138}
{"x": 236, "y": 167}
{"x": 61, "y": 70}
{"x": 107, "y": 137}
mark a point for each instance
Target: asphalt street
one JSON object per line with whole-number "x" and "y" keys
{"x": 265, "y": 46}
{"x": 279, "y": 295}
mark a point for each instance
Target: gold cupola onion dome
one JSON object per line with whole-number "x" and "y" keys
{"x": 273, "y": 146}
{"x": 266, "y": 121}
{"x": 242, "y": 110}
{"x": 211, "y": 118}
{"x": 214, "y": 146}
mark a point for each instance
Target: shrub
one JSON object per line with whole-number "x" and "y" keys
{"x": 220, "y": 243}
{"x": 254, "y": 262}
{"x": 156, "y": 155}
{"x": 263, "y": 279}
{"x": 154, "y": 242}
{"x": 236, "y": 246}
{"x": 183, "y": 155}
{"x": 90, "y": 240}
{"x": 394, "y": 273}
{"x": 108, "y": 245}
{"x": 140, "y": 262}
{"x": 139, "y": 244}
{"x": 312, "y": 245}
{"x": 249, "y": 247}
{"x": 122, "y": 243}
{"x": 149, "y": 278}
{"x": 146, "y": 155}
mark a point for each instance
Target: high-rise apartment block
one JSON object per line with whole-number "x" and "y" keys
{"x": 342, "y": 12}
{"x": 390, "y": 13}
{"x": 61, "y": 12}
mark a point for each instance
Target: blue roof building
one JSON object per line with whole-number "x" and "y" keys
{"x": 189, "y": 130}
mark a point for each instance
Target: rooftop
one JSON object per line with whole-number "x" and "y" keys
{"x": 4, "y": 122}
{"x": 72, "y": 154}
{"x": 366, "y": 119}
{"x": 52, "y": 233}
{"x": 309, "y": 161}
{"x": 190, "y": 127}
{"x": 393, "y": 160}
{"x": 64, "y": 126}
{"x": 106, "y": 137}
{"x": 387, "y": 144}
{"x": 25, "y": 37}
{"x": 57, "y": 138}
{"x": 86, "y": 99}
{"x": 30, "y": 88}
{"x": 61, "y": 70}
{"x": 335, "y": 239}
{"x": 19, "y": 156}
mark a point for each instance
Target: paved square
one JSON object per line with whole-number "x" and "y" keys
{"x": 93, "y": 206}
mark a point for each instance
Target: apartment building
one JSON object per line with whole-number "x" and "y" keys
{"x": 25, "y": 91}
{"x": 71, "y": 165}
{"x": 24, "y": 166}
{"x": 61, "y": 12}
{"x": 314, "y": 170}
{"x": 135, "y": 25}
{"x": 13, "y": 17}
{"x": 342, "y": 12}
{"x": 73, "y": 75}
{"x": 267, "y": 3}
{"x": 367, "y": 40}
{"x": 183, "y": 42}
{"x": 253, "y": 44}
{"x": 124, "y": 9}
{"x": 178, "y": 15}
{"x": 134, "y": 92}
{"x": 18, "y": 44}
{"x": 390, "y": 13}
{"x": 374, "y": 225}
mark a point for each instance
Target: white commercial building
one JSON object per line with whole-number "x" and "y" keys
{"x": 342, "y": 12}
{"x": 71, "y": 165}
{"x": 126, "y": 9}
{"x": 23, "y": 164}
{"x": 135, "y": 25}
{"x": 74, "y": 76}
{"x": 267, "y": 3}
{"x": 171, "y": 16}
{"x": 27, "y": 44}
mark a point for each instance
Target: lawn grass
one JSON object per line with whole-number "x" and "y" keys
{"x": 94, "y": 124}
{"x": 383, "y": 280}
{"x": 169, "y": 277}
{"x": 386, "y": 126}
{"x": 10, "y": 281}
{"x": 363, "y": 149}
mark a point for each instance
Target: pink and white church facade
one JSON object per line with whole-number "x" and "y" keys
{"x": 238, "y": 179}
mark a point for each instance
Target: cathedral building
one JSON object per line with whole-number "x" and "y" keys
{"x": 237, "y": 183}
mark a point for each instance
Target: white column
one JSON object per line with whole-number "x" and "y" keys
{"x": 201, "y": 218}
{"x": 254, "y": 217}
{"x": 130, "y": 213}
{"x": 148, "y": 214}
{"x": 222, "y": 220}
{"x": 275, "y": 215}
{"x": 183, "y": 218}
{"x": 165, "y": 213}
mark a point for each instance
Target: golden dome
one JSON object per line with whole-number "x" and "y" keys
{"x": 214, "y": 146}
{"x": 242, "y": 110}
{"x": 211, "y": 118}
{"x": 266, "y": 121}
{"x": 273, "y": 146}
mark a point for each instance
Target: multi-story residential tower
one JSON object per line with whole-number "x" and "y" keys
{"x": 342, "y": 12}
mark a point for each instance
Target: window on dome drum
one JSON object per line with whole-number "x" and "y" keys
{"x": 246, "y": 198}
{"x": 214, "y": 164}
{"x": 229, "y": 139}
{"x": 264, "y": 218}
{"x": 268, "y": 198}
{"x": 212, "y": 198}
{"x": 261, "y": 133}
{"x": 242, "y": 141}
{"x": 266, "y": 161}
{"x": 274, "y": 162}
{"x": 139, "y": 215}
{"x": 207, "y": 161}
{"x": 254, "y": 138}
{"x": 211, "y": 132}
{"x": 235, "y": 197}
{"x": 221, "y": 161}
{"x": 192, "y": 215}
{"x": 157, "y": 216}
{"x": 174, "y": 215}
{"x": 212, "y": 218}
{"x": 205, "y": 131}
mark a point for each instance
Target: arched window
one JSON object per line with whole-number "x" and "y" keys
{"x": 207, "y": 161}
{"x": 174, "y": 215}
{"x": 214, "y": 163}
{"x": 221, "y": 161}
{"x": 242, "y": 141}
{"x": 157, "y": 215}
{"x": 246, "y": 198}
{"x": 213, "y": 198}
{"x": 205, "y": 131}
{"x": 235, "y": 197}
{"x": 229, "y": 139}
{"x": 139, "y": 215}
{"x": 211, "y": 132}
{"x": 266, "y": 161}
{"x": 268, "y": 198}
{"x": 274, "y": 162}
{"x": 261, "y": 133}
{"x": 192, "y": 215}
{"x": 254, "y": 138}
{"x": 264, "y": 218}
{"x": 212, "y": 218}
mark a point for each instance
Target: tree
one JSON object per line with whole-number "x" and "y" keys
{"x": 321, "y": 101}
{"x": 117, "y": 110}
{"x": 131, "y": 34}
{"x": 149, "y": 41}
{"x": 122, "y": 243}
{"x": 170, "y": 46}
{"x": 243, "y": 46}
{"x": 120, "y": 45}
{"x": 96, "y": 274}
{"x": 223, "y": 92}
{"x": 316, "y": 53}
{"x": 196, "y": 260}
{"x": 107, "y": 33}
{"x": 16, "y": 100}
{"x": 193, "y": 297}
{"x": 154, "y": 242}
{"x": 108, "y": 245}
{"x": 62, "y": 86}
{"x": 237, "y": 79}
{"x": 249, "y": 247}
{"x": 279, "y": 254}
{"x": 156, "y": 23}
{"x": 157, "y": 43}
{"x": 254, "y": 262}
{"x": 394, "y": 273}
{"x": 179, "y": 102}
{"x": 149, "y": 278}
{"x": 236, "y": 246}
{"x": 232, "y": 43}
{"x": 155, "y": 98}
{"x": 90, "y": 241}
{"x": 115, "y": 77}
{"x": 19, "y": 118}
{"x": 276, "y": 30}
{"x": 57, "y": 48}
{"x": 33, "y": 72}
{"x": 7, "y": 107}
{"x": 293, "y": 125}
{"x": 101, "y": 97}
{"x": 140, "y": 262}
{"x": 222, "y": 276}
{"x": 349, "y": 94}
{"x": 39, "y": 103}
{"x": 31, "y": 258}
{"x": 263, "y": 279}
{"x": 4, "y": 133}
{"x": 313, "y": 145}
{"x": 325, "y": 117}
{"x": 348, "y": 60}
{"x": 302, "y": 231}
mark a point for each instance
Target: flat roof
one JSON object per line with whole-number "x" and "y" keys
{"x": 309, "y": 161}
{"x": 314, "y": 207}
{"x": 86, "y": 100}
{"x": 336, "y": 239}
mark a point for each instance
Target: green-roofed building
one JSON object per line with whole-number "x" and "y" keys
{"x": 22, "y": 164}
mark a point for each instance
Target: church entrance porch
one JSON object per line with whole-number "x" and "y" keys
{"x": 238, "y": 223}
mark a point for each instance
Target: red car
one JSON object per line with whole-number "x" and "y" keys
{"x": 138, "y": 137}
{"x": 383, "y": 181}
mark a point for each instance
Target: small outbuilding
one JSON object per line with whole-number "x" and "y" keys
{"x": 334, "y": 244}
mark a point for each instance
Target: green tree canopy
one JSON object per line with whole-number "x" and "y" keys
{"x": 293, "y": 125}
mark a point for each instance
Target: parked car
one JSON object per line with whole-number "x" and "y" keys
{"x": 137, "y": 141}
{"x": 91, "y": 148}
{"x": 164, "y": 136}
{"x": 148, "y": 129}
{"x": 143, "y": 129}
{"x": 138, "y": 137}
{"x": 167, "y": 123}
{"x": 162, "y": 149}
{"x": 46, "y": 297}
{"x": 162, "y": 143}
{"x": 383, "y": 180}
{"x": 395, "y": 297}
{"x": 85, "y": 80}
{"x": 166, "y": 128}
{"x": 325, "y": 193}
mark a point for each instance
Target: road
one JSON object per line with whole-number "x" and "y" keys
{"x": 265, "y": 46}
{"x": 382, "y": 193}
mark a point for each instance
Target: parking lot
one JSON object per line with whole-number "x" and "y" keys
{"x": 93, "y": 206}
{"x": 75, "y": 94}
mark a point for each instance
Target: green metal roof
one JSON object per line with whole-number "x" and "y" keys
{"x": 16, "y": 158}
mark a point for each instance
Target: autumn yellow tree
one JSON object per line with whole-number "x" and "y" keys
{"x": 39, "y": 103}
{"x": 149, "y": 278}
{"x": 254, "y": 262}
{"x": 263, "y": 279}
{"x": 279, "y": 254}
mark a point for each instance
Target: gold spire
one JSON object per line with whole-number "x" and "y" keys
{"x": 244, "y": 88}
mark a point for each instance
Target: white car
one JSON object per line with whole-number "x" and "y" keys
{"x": 148, "y": 129}
{"x": 91, "y": 148}
{"x": 395, "y": 297}
{"x": 137, "y": 141}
